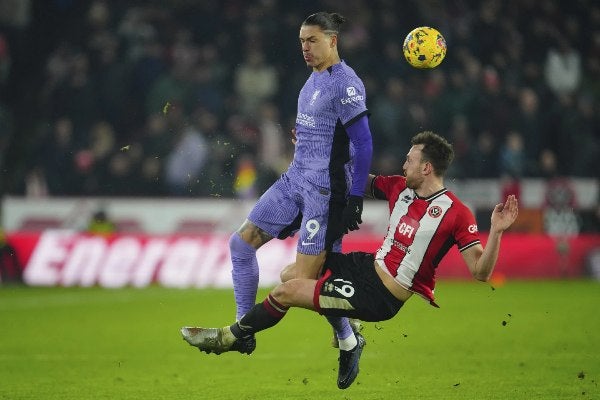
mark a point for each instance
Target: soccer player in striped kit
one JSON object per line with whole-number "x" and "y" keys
{"x": 320, "y": 196}
{"x": 425, "y": 221}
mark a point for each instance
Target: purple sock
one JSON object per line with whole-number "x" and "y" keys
{"x": 341, "y": 326}
{"x": 244, "y": 274}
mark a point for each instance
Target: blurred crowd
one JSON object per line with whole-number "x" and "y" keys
{"x": 196, "y": 98}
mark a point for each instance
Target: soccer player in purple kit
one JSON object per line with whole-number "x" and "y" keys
{"x": 321, "y": 194}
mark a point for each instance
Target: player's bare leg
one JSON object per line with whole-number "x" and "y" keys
{"x": 339, "y": 325}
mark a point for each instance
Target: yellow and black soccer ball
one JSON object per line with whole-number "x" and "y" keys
{"x": 424, "y": 47}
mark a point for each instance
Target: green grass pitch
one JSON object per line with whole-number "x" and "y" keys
{"x": 522, "y": 340}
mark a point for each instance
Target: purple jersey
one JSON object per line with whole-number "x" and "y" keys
{"x": 311, "y": 195}
{"x": 329, "y": 101}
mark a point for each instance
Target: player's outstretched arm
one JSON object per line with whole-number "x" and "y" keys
{"x": 481, "y": 261}
{"x": 504, "y": 214}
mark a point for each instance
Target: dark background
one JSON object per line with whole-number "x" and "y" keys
{"x": 124, "y": 98}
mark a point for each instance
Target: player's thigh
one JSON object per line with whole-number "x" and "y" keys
{"x": 276, "y": 212}
{"x": 296, "y": 293}
{"x": 288, "y": 272}
{"x": 308, "y": 266}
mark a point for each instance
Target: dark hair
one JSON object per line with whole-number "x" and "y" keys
{"x": 328, "y": 22}
{"x": 436, "y": 150}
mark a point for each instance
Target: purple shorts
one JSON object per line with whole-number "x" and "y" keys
{"x": 296, "y": 205}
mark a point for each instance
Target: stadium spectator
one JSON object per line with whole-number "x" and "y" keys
{"x": 122, "y": 176}
{"x": 373, "y": 287}
{"x": 156, "y": 142}
{"x": 271, "y": 153}
{"x": 484, "y": 157}
{"x": 527, "y": 119}
{"x": 460, "y": 135}
{"x": 390, "y": 118}
{"x": 217, "y": 174}
{"x": 175, "y": 86}
{"x": 101, "y": 145}
{"x": 112, "y": 77}
{"x": 255, "y": 82}
{"x": 35, "y": 183}
{"x": 210, "y": 80}
{"x": 512, "y": 155}
{"x": 562, "y": 68}
{"x": 187, "y": 158}
{"x": 75, "y": 96}
{"x": 582, "y": 126}
{"x": 56, "y": 156}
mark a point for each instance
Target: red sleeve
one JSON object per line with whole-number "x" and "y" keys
{"x": 466, "y": 233}
{"x": 384, "y": 187}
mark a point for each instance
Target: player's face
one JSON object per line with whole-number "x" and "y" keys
{"x": 317, "y": 47}
{"x": 413, "y": 167}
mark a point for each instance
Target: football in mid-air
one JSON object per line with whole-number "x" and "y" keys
{"x": 424, "y": 47}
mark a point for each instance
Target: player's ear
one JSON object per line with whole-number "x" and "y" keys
{"x": 333, "y": 41}
{"x": 427, "y": 168}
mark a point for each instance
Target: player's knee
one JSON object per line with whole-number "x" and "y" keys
{"x": 284, "y": 293}
{"x": 251, "y": 235}
{"x": 287, "y": 273}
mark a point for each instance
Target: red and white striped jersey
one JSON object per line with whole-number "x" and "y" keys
{"x": 420, "y": 233}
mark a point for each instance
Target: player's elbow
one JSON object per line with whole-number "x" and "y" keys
{"x": 482, "y": 276}
{"x": 481, "y": 269}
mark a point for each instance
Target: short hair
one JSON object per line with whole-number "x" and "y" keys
{"x": 328, "y": 22}
{"x": 436, "y": 150}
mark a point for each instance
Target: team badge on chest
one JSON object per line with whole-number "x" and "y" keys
{"x": 434, "y": 211}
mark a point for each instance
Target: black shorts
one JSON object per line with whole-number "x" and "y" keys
{"x": 350, "y": 287}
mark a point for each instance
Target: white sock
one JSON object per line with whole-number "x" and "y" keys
{"x": 349, "y": 343}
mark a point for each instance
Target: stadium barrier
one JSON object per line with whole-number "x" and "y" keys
{"x": 70, "y": 258}
{"x": 191, "y": 215}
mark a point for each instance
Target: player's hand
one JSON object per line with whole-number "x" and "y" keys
{"x": 505, "y": 214}
{"x": 293, "y": 133}
{"x": 351, "y": 216}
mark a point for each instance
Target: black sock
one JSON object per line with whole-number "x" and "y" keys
{"x": 260, "y": 317}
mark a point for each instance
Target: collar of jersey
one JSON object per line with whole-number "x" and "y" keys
{"x": 433, "y": 196}
{"x": 335, "y": 66}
